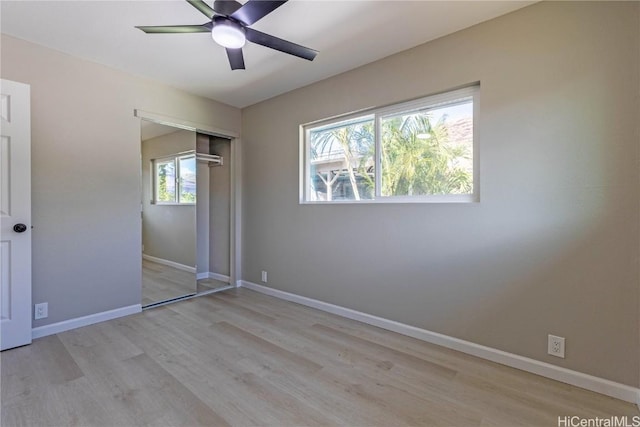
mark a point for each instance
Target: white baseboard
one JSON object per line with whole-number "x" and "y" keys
{"x": 220, "y": 277}
{"x": 169, "y": 263}
{"x": 568, "y": 376}
{"x": 215, "y": 276}
{"x": 66, "y": 325}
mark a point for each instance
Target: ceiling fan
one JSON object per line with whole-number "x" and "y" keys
{"x": 229, "y": 27}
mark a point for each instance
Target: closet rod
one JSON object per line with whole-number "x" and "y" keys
{"x": 212, "y": 159}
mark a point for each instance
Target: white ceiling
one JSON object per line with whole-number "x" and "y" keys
{"x": 348, "y": 33}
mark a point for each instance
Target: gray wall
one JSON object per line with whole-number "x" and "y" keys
{"x": 552, "y": 247}
{"x": 214, "y": 204}
{"x": 168, "y": 231}
{"x": 202, "y": 216}
{"x": 220, "y": 209}
{"x": 86, "y": 174}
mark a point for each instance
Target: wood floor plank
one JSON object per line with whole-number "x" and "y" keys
{"x": 266, "y": 348}
{"x": 61, "y": 405}
{"x": 28, "y": 369}
{"x": 245, "y": 359}
{"x": 219, "y": 370}
{"x": 161, "y": 283}
{"x": 211, "y": 364}
{"x": 514, "y": 378}
{"x": 333, "y": 400}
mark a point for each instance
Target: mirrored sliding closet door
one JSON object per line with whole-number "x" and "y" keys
{"x": 186, "y": 213}
{"x": 169, "y": 204}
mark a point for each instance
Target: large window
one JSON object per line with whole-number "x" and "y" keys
{"x": 418, "y": 151}
{"x": 174, "y": 180}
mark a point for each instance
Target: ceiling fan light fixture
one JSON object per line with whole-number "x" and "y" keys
{"x": 228, "y": 34}
{"x": 230, "y": 27}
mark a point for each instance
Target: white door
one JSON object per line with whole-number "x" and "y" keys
{"x": 15, "y": 215}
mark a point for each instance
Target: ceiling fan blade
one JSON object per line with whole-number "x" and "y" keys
{"x": 253, "y": 10}
{"x": 203, "y": 8}
{"x": 226, "y": 7}
{"x": 173, "y": 29}
{"x": 236, "y": 59}
{"x": 279, "y": 44}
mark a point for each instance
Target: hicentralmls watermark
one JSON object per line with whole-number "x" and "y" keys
{"x": 614, "y": 421}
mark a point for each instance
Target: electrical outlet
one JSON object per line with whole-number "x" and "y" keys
{"x": 264, "y": 276}
{"x": 41, "y": 310}
{"x": 556, "y": 346}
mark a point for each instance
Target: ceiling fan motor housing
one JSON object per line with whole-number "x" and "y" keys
{"x": 228, "y": 32}
{"x": 229, "y": 25}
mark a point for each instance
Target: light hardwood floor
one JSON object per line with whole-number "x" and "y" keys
{"x": 245, "y": 359}
{"x": 161, "y": 283}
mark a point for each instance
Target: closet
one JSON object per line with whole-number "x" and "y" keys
{"x": 186, "y": 214}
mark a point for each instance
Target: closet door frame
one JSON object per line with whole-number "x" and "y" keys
{"x": 236, "y": 178}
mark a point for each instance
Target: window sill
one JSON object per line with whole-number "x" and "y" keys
{"x": 456, "y": 199}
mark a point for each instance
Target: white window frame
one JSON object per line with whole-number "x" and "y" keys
{"x": 175, "y": 159}
{"x": 425, "y": 103}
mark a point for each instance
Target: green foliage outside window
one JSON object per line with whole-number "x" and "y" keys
{"x": 419, "y": 156}
{"x": 175, "y": 180}
{"x": 166, "y": 182}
